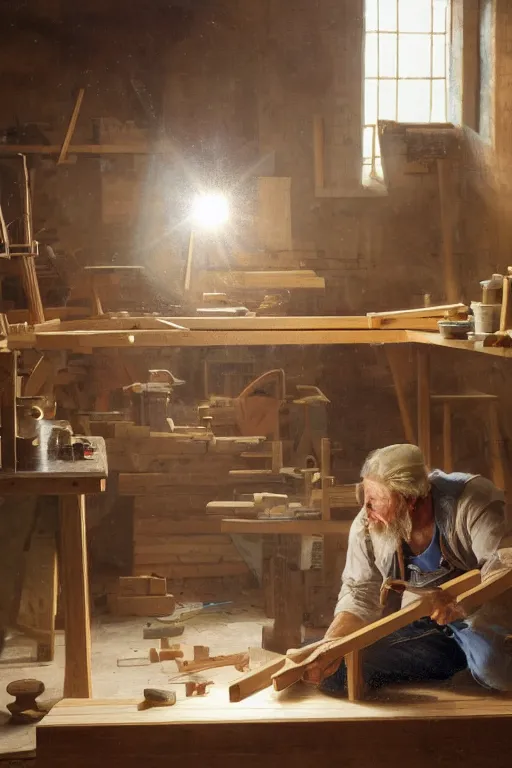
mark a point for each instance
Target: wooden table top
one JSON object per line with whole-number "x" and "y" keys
{"x": 57, "y": 477}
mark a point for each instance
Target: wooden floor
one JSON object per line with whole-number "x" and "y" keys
{"x": 426, "y": 726}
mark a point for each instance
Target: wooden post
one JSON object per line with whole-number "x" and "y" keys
{"x": 355, "y": 681}
{"x": 447, "y": 438}
{"x": 319, "y": 151}
{"x": 277, "y": 456}
{"x": 325, "y": 469}
{"x": 73, "y": 564}
{"x": 8, "y": 383}
{"x": 96, "y": 305}
{"x": 423, "y": 369}
{"x": 495, "y": 440}
{"x": 447, "y": 211}
{"x": 400, "y": 396}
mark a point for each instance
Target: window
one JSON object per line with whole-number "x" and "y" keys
{"x": 405, "y": 69}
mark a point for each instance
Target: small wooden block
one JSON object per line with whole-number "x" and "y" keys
{"x": 141, "y": 585}
{"x": 143, "y": 605}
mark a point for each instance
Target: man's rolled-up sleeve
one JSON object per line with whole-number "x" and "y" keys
{"x": 361, "y": 580}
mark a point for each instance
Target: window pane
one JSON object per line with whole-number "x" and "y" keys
{"x": 367, "y": 144}
{"x": 387, "y": 100}
{"x": 438, "y": 101}
{"x": 367, "y": 169}
{"x": 440, "y": 14}
{"x": 414, "y": 101}
{"x": 439, "y": 56}
{"x": 414, "y": 56}
{"x": 387, "y": 55}
{"x": 415, "y": 15}
{"x": 370, "y": 14}
{"x": 370, "y": 55}
{"x": 370, "y": 102}
{"x": 387, "y": 15}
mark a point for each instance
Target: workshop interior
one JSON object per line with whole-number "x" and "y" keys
{"x": 255, "y": 331}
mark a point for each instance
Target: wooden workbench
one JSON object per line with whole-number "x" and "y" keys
{"x": 283, "y": 580}
{"x": 71, "y": 482}
{"x": 436, "y": 725}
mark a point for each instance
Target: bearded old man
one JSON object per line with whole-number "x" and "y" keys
{"x": 426, "y": 529}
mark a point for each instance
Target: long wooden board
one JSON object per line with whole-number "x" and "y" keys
{"x": 432, "y": 725}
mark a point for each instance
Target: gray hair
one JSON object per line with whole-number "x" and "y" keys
{"x": 400, "y": 468}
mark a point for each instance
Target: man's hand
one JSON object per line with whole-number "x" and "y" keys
{"x": 444, "y": 609}
{"x": 318, "y": 671}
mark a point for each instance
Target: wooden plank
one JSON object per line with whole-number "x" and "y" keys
{"x": 82, "y": 342}
{"x": 184, "y": 571}
{"x": 419, "y": 337}
{"x": 424, "y": 437}
{"x": 467, "y": 398}
{"x": 262, "y": 280}
{"x": 73, "y": 565}
{"x": 71, "y": 127}
{"x": 481, "y": 594}
{"x": 87, "y": 149}
{"x": 440, "y": 310}
{"x": 320, "y": 322}
{"x": 8, "y": 391}
{"x": 300, "y": 527}
{"x": 274, "y": 215}
{"x": 362, "y": 638}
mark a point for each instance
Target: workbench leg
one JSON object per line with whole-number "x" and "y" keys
{"x": 73, "y": 558}
{"x": 355, "y": 681}
{"x": 288, "y": 598}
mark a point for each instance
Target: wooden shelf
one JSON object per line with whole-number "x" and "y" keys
{"x": 287, "y": 527}
{"x": 422, "y": 337}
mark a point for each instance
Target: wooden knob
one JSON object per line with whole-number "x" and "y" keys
{"x": 27, "y": 687}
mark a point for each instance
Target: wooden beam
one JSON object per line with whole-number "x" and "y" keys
{"x": 86, "y": 149}
{"x": 271, "y": 279}
{"x": 73, "y": 564}
{"x": 403, "y": 406}
{"x": 82, "y": 341}
{"x": 423, "y": 369}
{"x": 327, "y": 484}
{"x": 71, "y": 127}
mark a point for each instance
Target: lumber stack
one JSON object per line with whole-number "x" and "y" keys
{"x": 171, "y": 477}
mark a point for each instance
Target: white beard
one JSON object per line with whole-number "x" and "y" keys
{"x": 387, "y": 537}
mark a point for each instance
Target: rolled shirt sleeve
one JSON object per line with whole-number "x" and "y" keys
{"x": 361, "y": 580}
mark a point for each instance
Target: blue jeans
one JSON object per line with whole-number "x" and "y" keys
{"x": 425, "y": 651}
